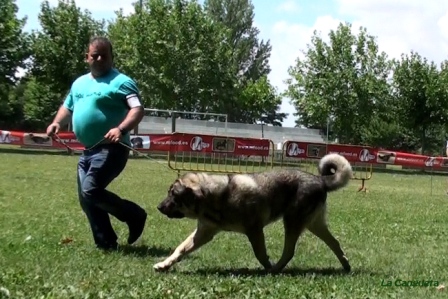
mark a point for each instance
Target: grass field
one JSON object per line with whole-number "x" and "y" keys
{"x": 395, "y": 232}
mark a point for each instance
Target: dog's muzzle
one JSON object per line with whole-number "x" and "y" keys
{"x": 170, "y": 213}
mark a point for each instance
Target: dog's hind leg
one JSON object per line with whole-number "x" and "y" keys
{"x": 293, "y": 230}
{"x": 201, "y": 236}
{"x": 257, "y": 240}
{"x": 320, "y": 229}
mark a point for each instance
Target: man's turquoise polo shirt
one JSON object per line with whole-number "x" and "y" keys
{"x": 99, "y": 104}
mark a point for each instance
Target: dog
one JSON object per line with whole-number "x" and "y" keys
{"x": 137, "y": 142}
{"x": 386, "y": 157}
{"x": 246, "y": 203}
{"x": 39, "y": 139}
{"x": 221, "y": 145}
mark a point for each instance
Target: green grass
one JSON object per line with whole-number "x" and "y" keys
{"x": 397, "y": 230}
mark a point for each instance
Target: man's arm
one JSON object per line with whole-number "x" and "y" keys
{"x": 65, "y": 111}
{"x": 62, "y": 116}
{"x": 136, "y": 110}
{"x": 132, "y": 119}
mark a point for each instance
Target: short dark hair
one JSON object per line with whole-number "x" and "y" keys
{"x": 101, "y": 40}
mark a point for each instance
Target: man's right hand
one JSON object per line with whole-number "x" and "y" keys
{"x": 53, "y": 129}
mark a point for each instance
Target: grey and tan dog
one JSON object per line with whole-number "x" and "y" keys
{"x": 246, "y": 203}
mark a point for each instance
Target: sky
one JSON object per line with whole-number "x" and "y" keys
{"x": 400, "y": 26}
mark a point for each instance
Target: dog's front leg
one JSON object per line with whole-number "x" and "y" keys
{"x": 201, "y": 236}
{"x": 257, "y": 240}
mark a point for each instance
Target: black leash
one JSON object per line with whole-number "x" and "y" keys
{"x": 58, "y": 139}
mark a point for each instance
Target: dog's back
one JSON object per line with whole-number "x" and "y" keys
{"x": 265, "y": 197}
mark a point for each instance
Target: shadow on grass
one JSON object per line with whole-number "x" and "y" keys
{"x": 245, "y": 272}
{"x": 144, "y": 251}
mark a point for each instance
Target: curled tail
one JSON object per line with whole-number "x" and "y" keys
{"x": 335, "y": 171}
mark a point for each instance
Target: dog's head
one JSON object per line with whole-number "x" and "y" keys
{"x": 137, "y": 142}
{"x": 39, "y": 139}
{"x": 385, "y": 156}
{"x": 183, "y": 198}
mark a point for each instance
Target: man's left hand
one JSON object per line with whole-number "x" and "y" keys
{"x": 114, "y": 135}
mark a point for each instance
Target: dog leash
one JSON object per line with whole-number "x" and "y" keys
{"x": 58, "y": 139}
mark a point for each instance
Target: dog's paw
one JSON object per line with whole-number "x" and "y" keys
{"x": 161, "y": 267}
{"x": 345, "y": 264}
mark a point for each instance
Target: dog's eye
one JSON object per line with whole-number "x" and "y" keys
{"x": 178, "y": 200}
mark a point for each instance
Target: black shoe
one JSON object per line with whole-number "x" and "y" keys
{"x": 136, "y": 226}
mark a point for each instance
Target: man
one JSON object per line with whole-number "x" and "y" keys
{"x": 104, "y": 105}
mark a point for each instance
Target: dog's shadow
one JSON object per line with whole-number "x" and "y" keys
{"x": 144, "y": 251}
{"x": 296, "y": 272}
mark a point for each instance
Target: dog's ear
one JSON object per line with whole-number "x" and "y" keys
{"x": 178, "y": 187}
{"x": 198, "y": 191}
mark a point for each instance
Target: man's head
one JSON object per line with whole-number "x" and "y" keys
{"x": 99, "y": 56}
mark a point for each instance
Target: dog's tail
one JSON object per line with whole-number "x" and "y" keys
{"x": 335, "y": 170}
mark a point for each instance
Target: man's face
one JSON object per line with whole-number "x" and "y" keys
{"x": 99, "y": 59}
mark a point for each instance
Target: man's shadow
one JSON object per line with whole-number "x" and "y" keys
{"x": 295, "y": 272}
{"x": 144, "y": 251}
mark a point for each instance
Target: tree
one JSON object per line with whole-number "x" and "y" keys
{"x": 344, "y": 81}
{"x": 59, "y": 52}
{"x": 183, "y": 59}
{"x": 250, "y": 62}
{"x": 250, "y": 56}
{"x": 40, "y": 103}
{"x": 14, "y": 50}
{"x": 260, "y": 103}
{"x": 421, "y": 88}
{"x": 175, "y": 53}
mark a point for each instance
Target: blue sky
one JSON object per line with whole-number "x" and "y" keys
{"x": 399, "y": 25}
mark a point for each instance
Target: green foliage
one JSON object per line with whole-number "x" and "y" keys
{"x": 421, "y": 89}
{"x": 14, "y": 43}
{"x": 40, "y": 103}
{"x": 343, "y": 81}
{"x": 249, "y": 56}
{"x": 58, "y": 58}
{"x": 184, "y": 60}
{"x": 59, "y": 48}
{"x": 14, "y": 50}
{"x": 176, "y": 55}
{"x": 367, "y": 98}
{"x": 250, "y": 62}
{"x": 260, "y": 102}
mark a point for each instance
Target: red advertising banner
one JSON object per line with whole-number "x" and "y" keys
{"x": 183, "y": 142}
{"x": 176, "y": 142}
{"x": 356, "y": 153}
{"x": 218, "y": 144}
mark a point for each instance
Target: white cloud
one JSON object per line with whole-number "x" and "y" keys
{"x": 288, "y": 6}
{"x": 399, "y": 26}
{"x": 103, "y": 6}
{"x": 403, "y": 25}
{"x": 289, "y": 40}
{"x": 443, "y": 25}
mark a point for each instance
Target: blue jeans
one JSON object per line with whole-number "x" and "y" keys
{"x": 96, "y": 169}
